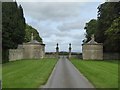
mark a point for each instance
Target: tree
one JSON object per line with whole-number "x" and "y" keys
{"x": 13, "y": 27}
{"x": 107, "y": 12}
{"x": 91, "y": 28}
{"x": 107, "y": 26}
{"x": 29, "y": 29}
{"x": 113, "y": 36}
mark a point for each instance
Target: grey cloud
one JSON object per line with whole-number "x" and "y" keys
{"x": 52, "y": 36}
{"x": 59, "y": 0}
{"x": 61, "y": 23}
{"x": 113, "y": 0}
{"x": 72, "y": 33}
{"x": 51, "y": 10}
{"x": 63, "y": 45}
{"x": 71, "y": 26}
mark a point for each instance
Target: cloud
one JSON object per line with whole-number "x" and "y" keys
{"x": 71, "y": 26}
{"x": 61, "y": 23}
{"x": 64, "y": 38}
{"x": 61, "y": 0}
{"x": 51, "y": 10}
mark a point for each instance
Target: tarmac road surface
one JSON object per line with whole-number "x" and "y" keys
{"x": 65, "y": 75}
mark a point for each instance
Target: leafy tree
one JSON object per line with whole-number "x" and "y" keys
{"x": 91, "y": 28}
{"x": 107, "y": 27}
{"x": 28, "y": 31}
{"x": 107, "y": 12}
{"x": 113, "y": 36}
{"x": 13, "y": 27}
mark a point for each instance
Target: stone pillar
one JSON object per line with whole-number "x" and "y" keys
{"x": 57, "y": 51}
{"x": 32, "y": 36}
{"x": 70, "y": 50}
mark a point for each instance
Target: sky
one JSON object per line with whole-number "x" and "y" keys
{"x": 60, "y": 22}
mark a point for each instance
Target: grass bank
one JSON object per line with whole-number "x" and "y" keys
{"x": 102, "y": 74}
{"x": 27, "y": 73}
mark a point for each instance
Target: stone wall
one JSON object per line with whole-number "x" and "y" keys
{"x": 77, "y": 56}
{"x": 42, "y": 51}
{"x": 15, "y": 54}
{"x": 94, "y": 51}
{"x": 27, "y": 51}
{"x": 32, "y": 51}
{"x": 111, "y": 56}
{"x": 52, "y": 55}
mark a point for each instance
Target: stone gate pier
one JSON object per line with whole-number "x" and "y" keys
{"x": 92, "y": 50}
{"x": 69, "y": 56}
{"x": 57, "y": 51}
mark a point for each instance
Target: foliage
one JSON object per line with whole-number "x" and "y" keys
{"x": 107, "y": 26}
{"x": 113, "y": 36}
{"x": 13, "y": 27}
{"x": 91, "y": 28}
{"x": 107, "y": 12}
{"x": 102, "y": 74}
{"x": 27, "y": 73}
{"x": 0, "y": 71}
{"x": 13, "y": 22}
{"x": 28, "y": 31}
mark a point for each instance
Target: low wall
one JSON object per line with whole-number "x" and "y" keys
{"x": 76, "y": 56}
{"x": 72, "y": 56}
{"x": 15, "y": 54}
{"x": 111, "y": 56}
{"x": 50, "y": 56}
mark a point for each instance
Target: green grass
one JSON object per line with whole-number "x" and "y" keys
{"x": 0, "y": 71}
{"x": 27, "y": 73}
{"x": 102, "y": 74}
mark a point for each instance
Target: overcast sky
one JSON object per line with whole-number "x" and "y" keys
{"x": 60, "y": 22}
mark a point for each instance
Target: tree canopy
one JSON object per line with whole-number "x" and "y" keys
{"x": 29, "y": 29}
{"x": 107, "y": 12}
{"x": 107, "y": 27}
{"x": 112, "y": 41}
{"x": 91, "y": 28}
{"x": 13, "y": 27}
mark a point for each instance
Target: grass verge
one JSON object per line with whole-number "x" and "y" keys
{"x": 0, "y": 71}
{"x": 27, "y": 73}
{"x": 102, "y": 74}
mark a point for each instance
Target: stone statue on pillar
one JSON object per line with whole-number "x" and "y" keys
{"x": 93, "y": 37}
{"x": 57, "y": 51}
{"x": 92, "y": 41}
{"x": 70, "y": 50}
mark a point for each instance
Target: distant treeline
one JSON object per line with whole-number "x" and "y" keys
{"x": 106, "y": 27}
{"x": 64, "y": 53}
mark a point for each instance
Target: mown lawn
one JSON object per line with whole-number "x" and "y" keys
{"x": 27, "y": 73}
{"x": 0, "y": 72}
{"x": 102, "y": 74}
